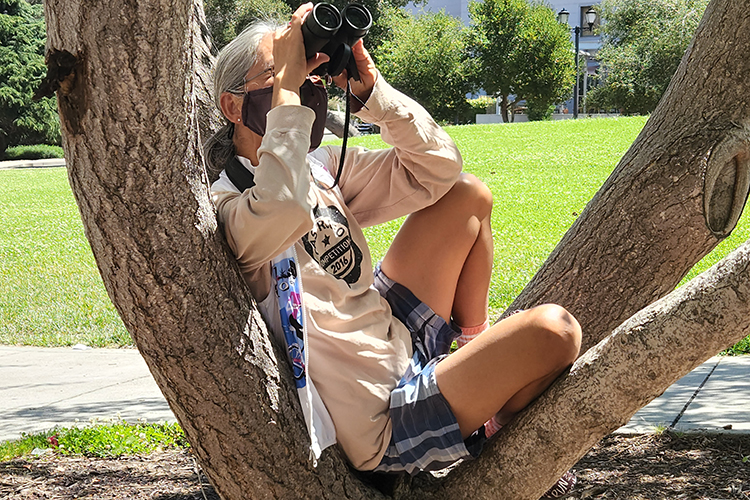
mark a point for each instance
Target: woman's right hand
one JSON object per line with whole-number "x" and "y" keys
{"x": 290, "y": 66}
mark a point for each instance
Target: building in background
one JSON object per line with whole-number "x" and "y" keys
{"x": 455, "y": 8}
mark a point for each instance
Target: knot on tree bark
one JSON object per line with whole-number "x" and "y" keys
{"x": 60, "y": 76}
{"x": 726, "y": 183}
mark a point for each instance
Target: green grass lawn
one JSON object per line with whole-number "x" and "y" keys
{"x": 51, "y": 293}
{"x": 541, "y": 174}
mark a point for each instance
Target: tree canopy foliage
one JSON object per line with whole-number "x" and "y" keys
{"x": 425, "y": 57}
{"x": 227, "y": 18}
{"x": 643, "y": 42}
{"x": 521, "y": 50}
{"x": 22, "y": 39}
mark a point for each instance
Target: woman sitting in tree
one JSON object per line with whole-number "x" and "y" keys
{"x": 370, "y": 347}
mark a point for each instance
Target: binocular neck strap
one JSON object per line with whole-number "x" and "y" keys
{"x": 346, "y": 133}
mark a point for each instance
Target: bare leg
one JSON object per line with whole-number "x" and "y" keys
{"x": 508, "y": 366}
{"x": 443, "y": 253}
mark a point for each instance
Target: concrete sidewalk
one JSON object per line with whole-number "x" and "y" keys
{"x": 713, "y": 397}
{"x": 45, "y": 163}
{"x": 41, "y": 388}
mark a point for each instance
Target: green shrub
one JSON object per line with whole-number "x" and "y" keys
{"x": 482, "y": 105}
{"x": 740, "y": 348}
{"x": 119, "y": 439}
{"x": 36, "y": 152}
{"x": 20, "y": 447}
{"x": 538, "y": 111}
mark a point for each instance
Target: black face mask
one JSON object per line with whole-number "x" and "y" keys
{"x": 257, "y": 104}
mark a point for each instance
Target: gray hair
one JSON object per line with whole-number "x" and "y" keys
{"x": 232, "y": 64}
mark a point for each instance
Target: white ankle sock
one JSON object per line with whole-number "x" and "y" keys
{"x": 491, "y": 427}
{"x": 470, "y": 333}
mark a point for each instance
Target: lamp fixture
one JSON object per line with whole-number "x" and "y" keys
{"x": 590, "y": 17}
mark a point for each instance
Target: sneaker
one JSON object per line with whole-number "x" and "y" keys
{"x": 563, "y": 486}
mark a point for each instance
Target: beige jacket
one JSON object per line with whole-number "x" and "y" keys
{"x": 357, "y": 350}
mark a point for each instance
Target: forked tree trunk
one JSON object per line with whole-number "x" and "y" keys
{"x": 133, "y": 114}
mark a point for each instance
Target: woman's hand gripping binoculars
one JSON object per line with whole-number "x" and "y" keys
{"x": 334, "y": 33}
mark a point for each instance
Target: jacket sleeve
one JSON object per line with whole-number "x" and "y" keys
{"x": 382, "y": 185}
{"x": 269, "y": 217}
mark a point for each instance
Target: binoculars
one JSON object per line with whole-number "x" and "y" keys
{"x": 333, "y": 33}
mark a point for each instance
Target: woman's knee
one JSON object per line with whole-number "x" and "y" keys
{"x": 472, "y": 193}
{"x": 561, "y": 332}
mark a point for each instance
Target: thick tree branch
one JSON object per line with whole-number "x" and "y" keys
{"x": 650, "y": 223}
{"x": 132, "y": 125}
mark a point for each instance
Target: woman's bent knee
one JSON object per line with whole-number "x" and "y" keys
{"x": 472, "y": 193}
{"x": 561, "y": 330}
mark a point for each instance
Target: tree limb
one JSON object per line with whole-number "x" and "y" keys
{"x": 649, "y": 223}
{"x": 607, "y": 385}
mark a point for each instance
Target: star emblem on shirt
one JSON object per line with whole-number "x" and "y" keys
{"x": 327, "y": 240}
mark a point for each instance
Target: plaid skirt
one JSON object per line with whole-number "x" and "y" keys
{"x": 425, "y": 433}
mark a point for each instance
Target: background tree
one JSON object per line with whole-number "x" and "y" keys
{"x": 138, "y": 177}
{"x": 643, "y": 42}
{"x": 425, "y": 57}
{"x": 521, "y": 51}
{"x": 227, "y": 18}
{"x": 22, "y": 38}
{"x": 548, "y": 74}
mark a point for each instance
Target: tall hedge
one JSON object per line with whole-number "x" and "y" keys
{"x": 22, "y": 39}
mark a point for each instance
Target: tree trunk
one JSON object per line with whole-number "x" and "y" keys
{"x": 131, "y": 114}
{"x": 134, "y": 110}
{"x": 335, "y": 123}
{"x": 3, "y": 144}
{"x": 504, "y": 108}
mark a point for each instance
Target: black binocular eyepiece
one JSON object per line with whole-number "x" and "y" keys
{"x": 327, "y": 30}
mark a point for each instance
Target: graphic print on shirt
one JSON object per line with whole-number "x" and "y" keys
{"x": 330, "y": 243}
{"x": 284, "y": 272}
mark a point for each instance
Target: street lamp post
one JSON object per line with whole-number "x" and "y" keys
{"x": 563, "y": 17}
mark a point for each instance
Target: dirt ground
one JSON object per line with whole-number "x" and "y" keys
{"x": 666, "y": 466}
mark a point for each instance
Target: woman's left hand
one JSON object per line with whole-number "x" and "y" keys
{"x": 367, "y": 73}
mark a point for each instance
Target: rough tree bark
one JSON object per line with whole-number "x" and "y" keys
{"x": 131, "y": 83}
{"x": 132, "y": 78}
